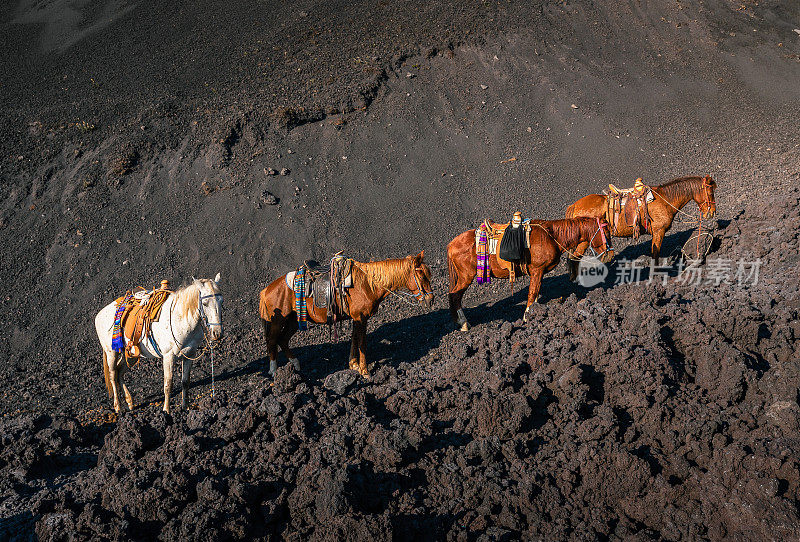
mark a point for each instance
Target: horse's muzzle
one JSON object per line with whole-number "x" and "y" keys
{"x": 608, "y": 256}
{"x": 216, "y": 333}
{"x": 427, "y": 300}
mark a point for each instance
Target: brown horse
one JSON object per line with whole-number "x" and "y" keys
{"x": 669, "y": 199}
{"x": 548, "y": 240}
{"x": 372, "y": 282}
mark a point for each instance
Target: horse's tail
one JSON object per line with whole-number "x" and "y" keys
{"x": 105, "y": 373}
{"x": 570, "y": 211}
{"x": 265, "y": 324}
{"x": 263, "y": 310}
{"x": 451, "y": 271}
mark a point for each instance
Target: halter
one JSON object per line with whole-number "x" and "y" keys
{"x": 202, "y": 312}
{"x": 606, "y": 242}
{"x": 707, "y": 194}
{"x": 419, "y": 293}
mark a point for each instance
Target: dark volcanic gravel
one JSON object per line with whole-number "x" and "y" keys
{"x": 646, "y": 410}
{"x": 147, "y": 141}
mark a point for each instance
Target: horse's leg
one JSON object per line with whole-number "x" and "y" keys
{"x": 289, "y": 329}
{"x": 573, "y": 260}
{"x": 462, "y": 266}
{"x": 120, "y": 373}
{"x": 111, "y": 360}
{"x": 456, "y": 296}
{"x": 275, "y": 327}
{"x": 186, "y": 370}
{"x": 533, "y": 289}
{"x": 362, "y": 353}
{"x": 354, "y": 348}
{"x": 168, "y": 361}
{"x": 655, "y": 246}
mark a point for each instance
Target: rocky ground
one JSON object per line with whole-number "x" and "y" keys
{"x": 644, "y": 410}
{"x": 140, "y": 145}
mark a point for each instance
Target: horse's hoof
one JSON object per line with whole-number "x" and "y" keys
{"x": 354, "y": 366}
{"x": 364, "y": 374}
{"x": 464, "y": 327}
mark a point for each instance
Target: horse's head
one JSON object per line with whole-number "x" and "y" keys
{"x": 601, "y": 242}
{"x": 210, "y": 306}
{"x": 419, "y": 280}
{"x": 705, "y": 197}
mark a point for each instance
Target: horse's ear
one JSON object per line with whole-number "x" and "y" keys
{"x": 216, "y": 279}
{"x": 418, "y": 258}
{"x": 193, "y": 279}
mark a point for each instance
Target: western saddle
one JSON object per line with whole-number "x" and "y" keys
{"x": 327, "y": 285}
{"x": 495, "y": 232}
{"x": 142, "y": 309}
{"x": 630, "y": 204}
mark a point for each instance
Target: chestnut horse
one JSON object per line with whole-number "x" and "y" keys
{"x": 372, "y": 282}
{"x": 669, "y": 199}
{"x": 549, "y": 239}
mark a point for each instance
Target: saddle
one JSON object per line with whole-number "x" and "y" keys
{"x": 326, "y": 285}
{"x": 506, "y": 241}
{"x": 142, "y": 309}
{"x": 630, "y": 204}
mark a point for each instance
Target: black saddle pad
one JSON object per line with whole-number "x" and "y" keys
{"x": 316, "y": 268}
{"x": 512, "y": 244}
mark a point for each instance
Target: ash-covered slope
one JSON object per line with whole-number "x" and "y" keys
{"x": 646, "y": 410}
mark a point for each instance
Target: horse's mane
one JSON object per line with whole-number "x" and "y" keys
{"x": 680, "y": 187}
{"x": 569, "y": 230}
{"x": 187, "y": 297}
{"x": 386, "y": 274}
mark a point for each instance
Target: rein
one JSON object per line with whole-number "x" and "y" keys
{"x": 694, "y": 221}
{"x": 570, "y": 253}
{"x": 419, "y": 294}
{"x": 209, "y": 344}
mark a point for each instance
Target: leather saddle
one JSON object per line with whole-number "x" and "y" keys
{"x": 630, "y": 205}
{"x": 326, "y": 285}
{"x": 496, "y": 235}
{"x": 141, "y": 312}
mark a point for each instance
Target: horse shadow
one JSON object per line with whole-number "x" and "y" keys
{"x": 557, "y": 286}
{"x": 413, "y": 337}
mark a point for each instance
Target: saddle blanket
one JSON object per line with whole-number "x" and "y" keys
{"x": 289, "y": 278}
{"x": 135, "y": 312}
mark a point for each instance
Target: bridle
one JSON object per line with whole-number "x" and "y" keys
{"x": 206, "y": 324}
{"x": 708, "y": 195}
{"x": 606, "y": 241}
{"x": 419, "y": 293}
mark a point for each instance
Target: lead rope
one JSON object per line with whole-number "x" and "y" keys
{"x": 564, "y": 249}
{"x": 402, "y": 296}
{"x": 695, "y": 221}
{"x": 208, "y": 346}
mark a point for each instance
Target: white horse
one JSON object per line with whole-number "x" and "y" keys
{"x": 187, "y": 314}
